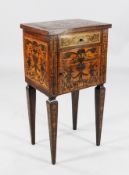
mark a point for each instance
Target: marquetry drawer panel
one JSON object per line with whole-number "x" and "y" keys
{"x": 76, "y": 39}
{"x": 78, "y": 68}
{"x": 36, "y": 61}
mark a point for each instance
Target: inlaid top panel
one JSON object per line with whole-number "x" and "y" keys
{"x": 63, "y": 26}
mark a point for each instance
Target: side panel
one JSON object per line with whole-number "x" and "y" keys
{"x": 104, "y": 56}
{"x": 36, "y": 61}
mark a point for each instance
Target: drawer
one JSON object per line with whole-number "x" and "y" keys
{"x": 78, "y": 68}
{"x": 76, "y": 39}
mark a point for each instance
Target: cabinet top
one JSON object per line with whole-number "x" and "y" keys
{"x": 63, "y": 26}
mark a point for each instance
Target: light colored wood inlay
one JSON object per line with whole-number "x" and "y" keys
{"x": 83, "y": 38}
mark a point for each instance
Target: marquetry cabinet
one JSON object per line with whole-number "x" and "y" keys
{"x": 60, "y": 57}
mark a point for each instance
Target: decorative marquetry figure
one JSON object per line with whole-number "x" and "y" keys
{"x": 61, "y": 57}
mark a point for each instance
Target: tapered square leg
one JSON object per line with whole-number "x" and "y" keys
{"x": 99, "y": 107}
{"x": 31, "y": 101}
{"x": 75, "y": 98}
{"x": 52, "y": 109}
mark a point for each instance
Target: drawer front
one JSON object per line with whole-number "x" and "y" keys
{"x": 36, "y": 61}
{"x": 82, "y": 38}
{"x": 78, "y": 68}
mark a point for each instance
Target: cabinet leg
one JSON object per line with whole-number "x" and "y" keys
{"x": 52, "y": 109}
{"x": 99, "y": 107}
{"x": 31, "y": 101}
{"x": 75, "y": 98}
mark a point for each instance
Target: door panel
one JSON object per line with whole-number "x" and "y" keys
{"x": 78, "y": 68}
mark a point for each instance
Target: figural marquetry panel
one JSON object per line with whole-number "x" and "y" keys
{"x": 36, "y": 61}
{"x": 78, "y": 68}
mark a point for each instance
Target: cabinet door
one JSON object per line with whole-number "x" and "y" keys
{"x": 78, "y": 68}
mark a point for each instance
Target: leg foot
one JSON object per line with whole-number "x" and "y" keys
{"x": 75, "y": 98}
{"x": 52, "y": 108}
{"x": 99, "y": 107}
{"x": 31, "y": 101}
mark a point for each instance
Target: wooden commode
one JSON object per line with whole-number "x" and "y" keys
{"x": 60, "y": 57}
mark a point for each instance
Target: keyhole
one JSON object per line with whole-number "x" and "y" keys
{"x": 81, "y": 40}
{"x": 60, "y": 73}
